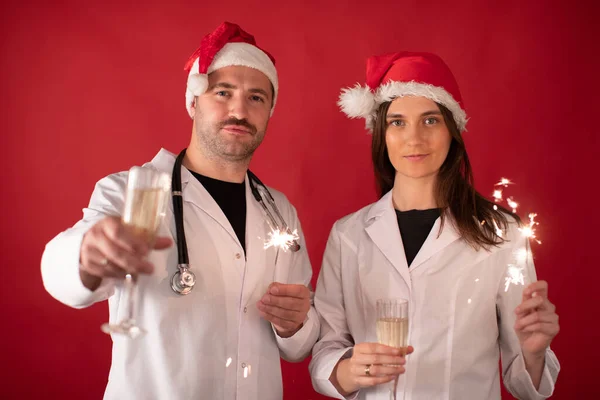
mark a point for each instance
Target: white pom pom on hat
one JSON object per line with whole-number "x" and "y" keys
{"x": 226, "y": 46}
{"x": 196, "y": 85}
{"x": 357, "y": 102}
{"x": 403, "y": 74}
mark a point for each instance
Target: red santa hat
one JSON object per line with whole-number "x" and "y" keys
{"x": 226, "y": 46}
{"x": 403, "y": 74}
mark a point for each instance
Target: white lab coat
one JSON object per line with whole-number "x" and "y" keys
{"x": 460, "y": 316}
{"x": 212, "y": 343}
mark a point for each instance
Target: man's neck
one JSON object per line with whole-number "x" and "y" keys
{"x": 215, "y": 168}
{"x": 414, "y": 194}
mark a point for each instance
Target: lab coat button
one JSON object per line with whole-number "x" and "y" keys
{"x": 238, "y": 255}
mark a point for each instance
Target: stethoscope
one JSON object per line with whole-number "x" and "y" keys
{"x": 183, "y": 279}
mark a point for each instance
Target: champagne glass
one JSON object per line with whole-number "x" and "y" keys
{"x": 146, "y": 202}
{"x": 392, "y": 328}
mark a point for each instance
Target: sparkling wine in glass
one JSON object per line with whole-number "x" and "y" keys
{"x": 392, "y": 328}
{"x": 146, "y": 202}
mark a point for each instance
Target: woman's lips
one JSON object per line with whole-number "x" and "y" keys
{"x": 416, "y": 157}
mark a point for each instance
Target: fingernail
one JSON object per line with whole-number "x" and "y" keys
{"x": 274, "y": 290}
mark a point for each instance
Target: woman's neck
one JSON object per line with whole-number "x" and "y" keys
{"x": 414, "y": 193}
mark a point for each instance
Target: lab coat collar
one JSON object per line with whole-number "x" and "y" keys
{"x": 193, "y": 192}
{"x": 381, "y": 225}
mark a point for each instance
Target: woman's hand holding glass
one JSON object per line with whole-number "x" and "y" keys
{"x": 371, "y": 364}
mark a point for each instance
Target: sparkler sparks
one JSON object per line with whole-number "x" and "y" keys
{"x": 497, "y": 195}
{"x": 513, "y": 204}
{"x": 504, "y": 182}
{"x": 529, "y": 230}
{"x": 280, "y": 239}
{"x": 515, "y": 276}
{"x": 499, "y": 231}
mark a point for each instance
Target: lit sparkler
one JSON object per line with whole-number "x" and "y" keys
{"x": 280, "y": 239}
{"x": 515, "y": 270}
{"x": 529, "y": 230}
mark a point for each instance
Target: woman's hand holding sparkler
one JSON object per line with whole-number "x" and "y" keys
{"x": 536, "y": 326}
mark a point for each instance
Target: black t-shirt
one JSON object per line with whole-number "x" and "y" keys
{"x": 415, "y": 226}
{"x": 231, "y": 197}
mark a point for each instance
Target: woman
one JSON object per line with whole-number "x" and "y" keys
{"x": 431, "y": 239}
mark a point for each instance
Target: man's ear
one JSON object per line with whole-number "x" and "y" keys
{"x": 192, "y": 108}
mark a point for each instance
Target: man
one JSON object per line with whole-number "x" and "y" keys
{"x": 249, "y": 305}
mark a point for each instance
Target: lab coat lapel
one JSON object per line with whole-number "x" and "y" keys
{"x": 382, "y": 228}
{"x": 436, "y": 241}
{"x": 260, "y": 262}
{"x": 193, "y": 192}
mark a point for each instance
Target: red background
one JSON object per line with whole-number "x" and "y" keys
{"x": 89, "y": 89}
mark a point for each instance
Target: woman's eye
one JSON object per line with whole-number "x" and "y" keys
{"x": 431, "y": 121}
{"x": 257, "y": 98}
{"x": 397, "y": 122}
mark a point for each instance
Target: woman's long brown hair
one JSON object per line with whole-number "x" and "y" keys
{"x": 474, "y": 215}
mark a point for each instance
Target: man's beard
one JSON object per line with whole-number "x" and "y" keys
{"x": 229, "y": 149}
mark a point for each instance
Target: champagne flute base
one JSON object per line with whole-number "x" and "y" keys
{"x": 126, "y": 328}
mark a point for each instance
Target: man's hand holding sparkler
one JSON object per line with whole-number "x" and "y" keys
{"x": 285, "y": 306}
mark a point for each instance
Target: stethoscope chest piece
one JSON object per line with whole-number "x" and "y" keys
{"x": 183, "y": 281}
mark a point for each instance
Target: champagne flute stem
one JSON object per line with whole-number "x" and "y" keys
{"x": 394, "y": 388}
{"x": 130, "y": 288}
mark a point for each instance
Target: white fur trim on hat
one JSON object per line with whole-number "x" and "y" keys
{"x": 361, "y": 102}
{"x": 237, "y": 53}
